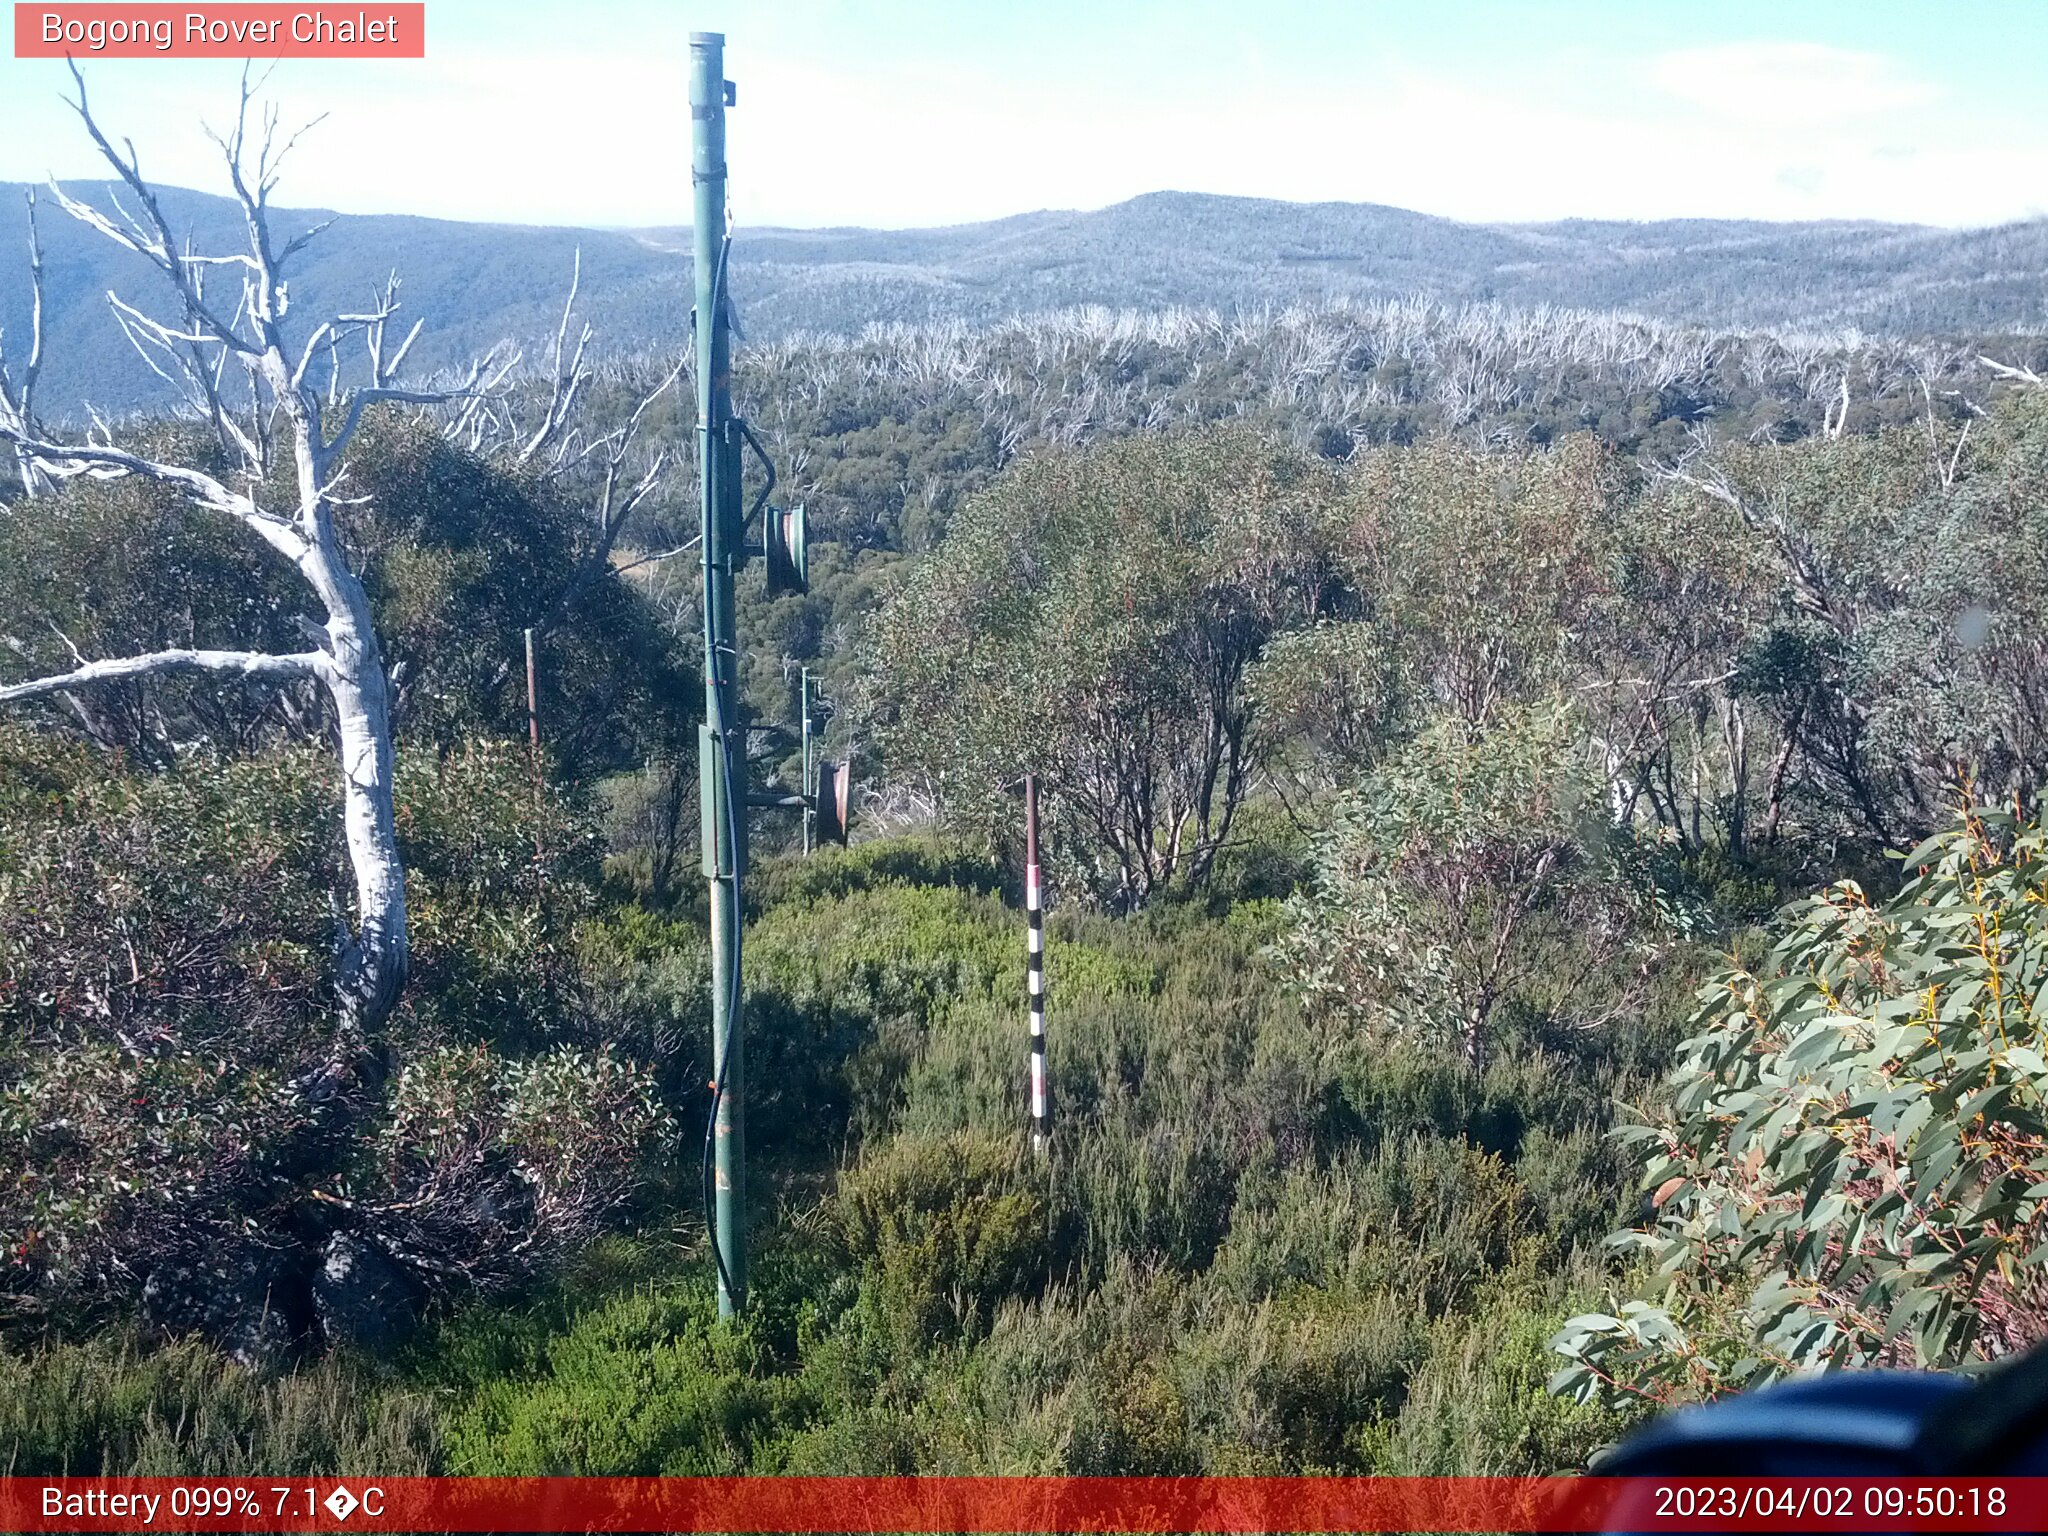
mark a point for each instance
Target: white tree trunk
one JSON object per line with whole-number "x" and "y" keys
{"x": 373, "y": 961}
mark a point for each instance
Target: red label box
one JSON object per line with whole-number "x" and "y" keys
{"x": 242, "y": 31}
{"x": 993, "y": 1506}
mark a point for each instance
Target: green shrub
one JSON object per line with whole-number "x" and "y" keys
{"x": 1082, "y": 1380}
{"x": 833, "y": 873}
{"x": 1426, "y": 1218}
{"x": 950, "y": 1229}
{"x": 1286, "y": 1384}
{"x": 1850, "y": 1171}
{"x": 649, "y": 992}
{"x": 500, "y": 870}
{"x": 1092, "y": 616}
{"x": 1479, "y": 1406}
{"x": 844, "y": 995}
{"x": 649, "y": 1384}
{"x": 1383, "y": 1093}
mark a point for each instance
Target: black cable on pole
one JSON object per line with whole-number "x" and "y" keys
{"x": 732, "y": 1005}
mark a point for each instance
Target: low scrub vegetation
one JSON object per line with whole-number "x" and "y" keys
{"x": 1404, "y": 818}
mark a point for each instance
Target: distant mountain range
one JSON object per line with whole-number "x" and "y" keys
{"x": 478, "y": 283}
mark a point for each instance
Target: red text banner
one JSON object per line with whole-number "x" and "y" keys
{"x": 239, "y": 31}
{"x": 1022, "y": 1504}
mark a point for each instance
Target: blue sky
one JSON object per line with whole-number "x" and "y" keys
{"x": 913, "y": 112}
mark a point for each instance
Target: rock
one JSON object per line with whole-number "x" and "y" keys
{"x": 360, "y": 1297}
{"x": 245, "y": 1298}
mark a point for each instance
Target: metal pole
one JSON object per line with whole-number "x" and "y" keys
{"x": 1034, "y": 960}
{"x": 722, "y": 741}
{"x": 809, "y": 788}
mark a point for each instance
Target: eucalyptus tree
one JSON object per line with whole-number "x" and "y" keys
{"x": 1848, "y": 1168}
{"x": 1093, "y": 617}
{"x": 1475, "y": 582}
{"x": 1472, "y": 869}
{"x": 1892, "y": 637}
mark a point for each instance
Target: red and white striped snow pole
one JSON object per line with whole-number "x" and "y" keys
{"x": 1041, "y": 1105}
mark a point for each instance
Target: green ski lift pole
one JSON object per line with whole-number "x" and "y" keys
{"x": 721, "y": 740}
{"x": 731, "y": 535}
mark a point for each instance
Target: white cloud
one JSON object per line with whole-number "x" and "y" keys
{"x": 1788, "y": 82}
{"x": 581, "y": 134}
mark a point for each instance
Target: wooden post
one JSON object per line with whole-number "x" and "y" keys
{"x": 1041, "y": 1106}
{"x": 532, "y": 699}
{"x": 810, "y": 788}
{"x": 533, "y": 750}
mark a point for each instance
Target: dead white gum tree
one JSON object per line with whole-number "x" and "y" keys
{"x": 614, "y": 472}
{"x": 223, "y": 347}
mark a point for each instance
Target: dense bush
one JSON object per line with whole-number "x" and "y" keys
{"x": 189, "y": 1127}
{"x": 459, "y": 556}
{"x": 1851, "y": 1170}
{"x": 1422, "y": 783}
{"x": 1091, "y": 618}
{"x": 1262, "y": 1243}
{"x": 1793, "y": 644}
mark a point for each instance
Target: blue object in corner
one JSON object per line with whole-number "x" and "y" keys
{"x": 1843, "y": 1424}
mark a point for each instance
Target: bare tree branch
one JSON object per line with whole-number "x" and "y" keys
{"x": 655, "y": 559}
{"x": 157, "y": 244}
{"x": 65, "y": 461}
{"x": 2018, "y": 375}
{"x": 244, "y": 664}
{"x": 361, "y": 400}
{"x": 567, "y": 379}
{"x": 473, "y": 425}
{"x": 18, "y": 398}
{"x": 617, "y": 501}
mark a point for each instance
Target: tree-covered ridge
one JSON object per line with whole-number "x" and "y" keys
{"x": 885, "y": 432}
{"x": 484, "y": 283}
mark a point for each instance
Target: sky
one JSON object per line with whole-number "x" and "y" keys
{"x": 903, "y": 113}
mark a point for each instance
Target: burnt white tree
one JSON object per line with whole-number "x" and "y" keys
{"x": 273, "y": 404}
{"x": 18, "y": 388}
{"x": 614, "y": 472}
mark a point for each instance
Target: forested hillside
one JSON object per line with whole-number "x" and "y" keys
{"x": 1176, "y": 248}
{"x": 481, "y": 284}
{"x": 1507, "y": 747}
{"x": 884, "y": 437}
{"x": 1541, "y": 820}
